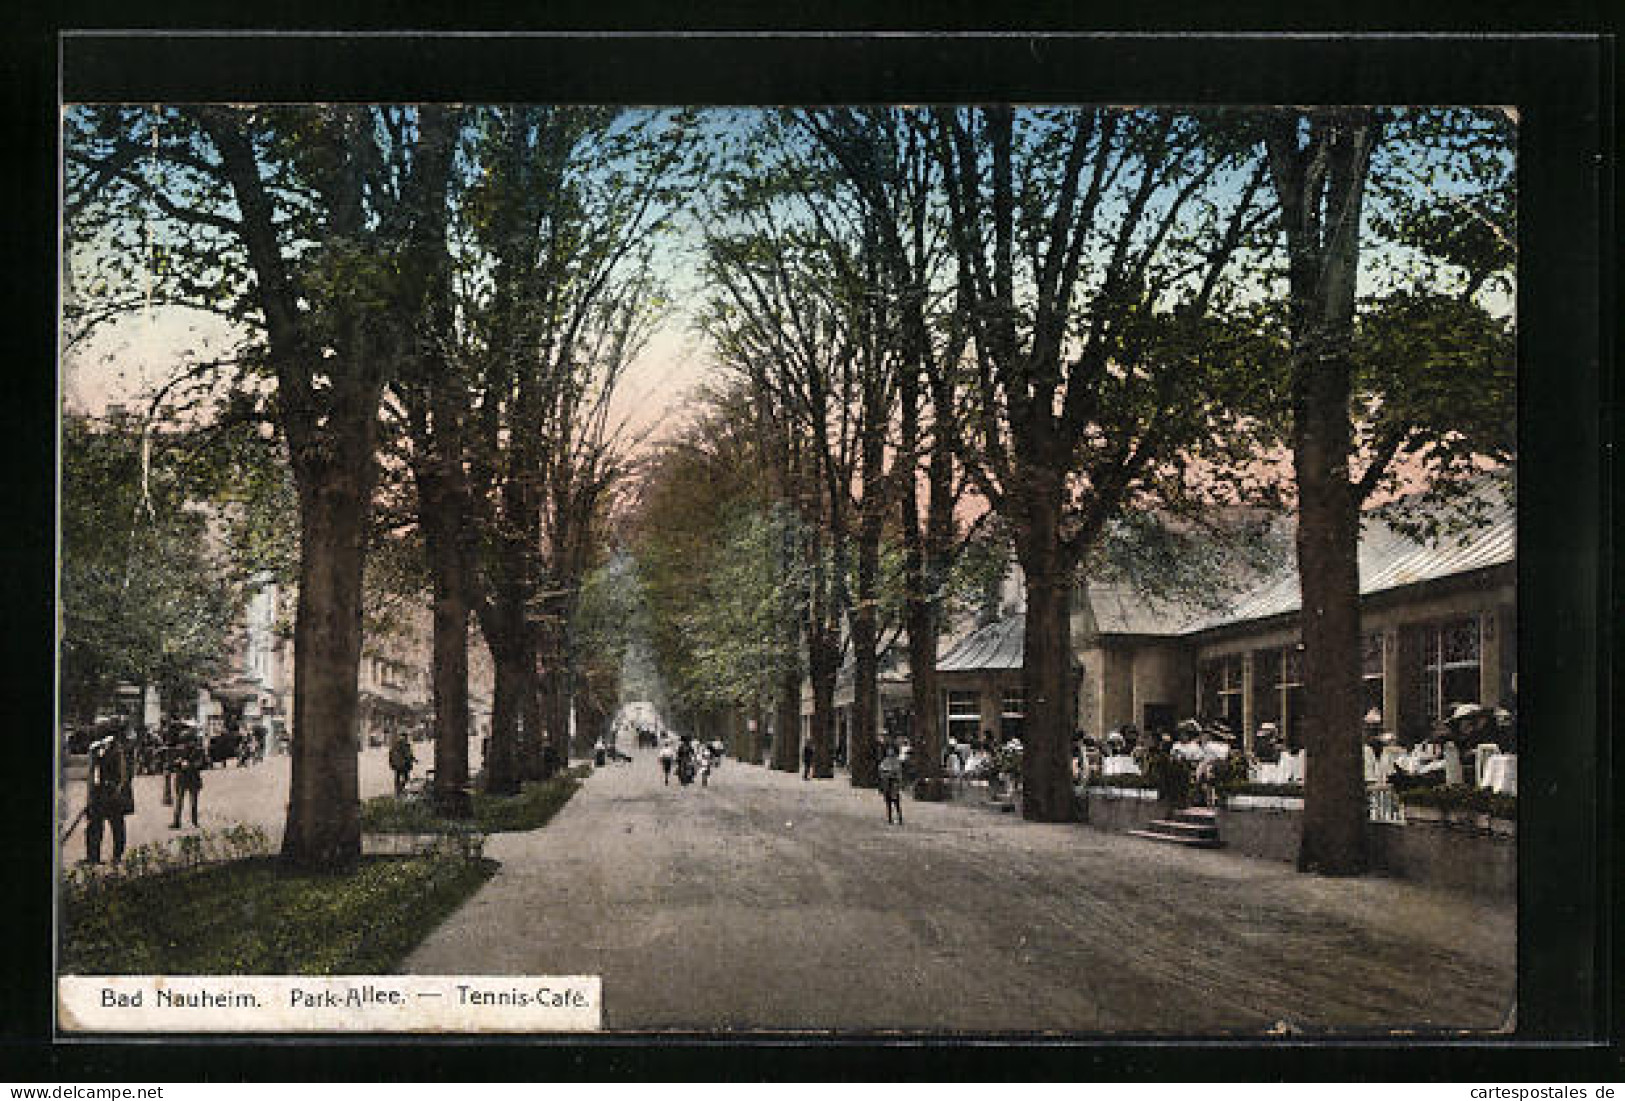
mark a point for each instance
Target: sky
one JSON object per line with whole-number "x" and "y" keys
{"x": 129, "y": 360}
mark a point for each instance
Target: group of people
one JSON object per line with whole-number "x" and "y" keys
{"x": 1461, "y": 741}
{"x": 690, "y": 758}
{"x": 113, "y": 759}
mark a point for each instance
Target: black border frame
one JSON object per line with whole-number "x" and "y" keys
{"x": 1563, "y": 86}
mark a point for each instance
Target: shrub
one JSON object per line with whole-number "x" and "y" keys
{"x": 1132, "y": 780}
{"x": 1171, "y": 776}
{"x": 531, "y": 809}
{"x": 1463, "y": 797}
{"x": 236, "y": 842}
{"x": 1251, "y": 787}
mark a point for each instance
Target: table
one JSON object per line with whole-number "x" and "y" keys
{"x": 1501, "y": 774}
{"x": 1120, "y": 766}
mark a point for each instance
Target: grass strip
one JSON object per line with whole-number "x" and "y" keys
{"x": 532, "y": 808}
{"x": 260, "y": 917}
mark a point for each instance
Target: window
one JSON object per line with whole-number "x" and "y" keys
{"x": 1293, "y": 701}
{"x": 1450, "y": 654}
{"x": 964, "y": 716}
{"x": 1278, "y": 695}
{"x": 1221, "y": 689}
{"x": 1012, "y": 713}
{"x": 1371, "y": 671}
{"x": 1266, "y": 695}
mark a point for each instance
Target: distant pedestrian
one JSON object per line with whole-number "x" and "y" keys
{"x": 685, "y": 761}
{"x": 188, "y": 769}
{"x": 891, "y": 782}
{"x": 401, "y": 760}
{"x": 666, "y": 754}
{"x": 108, "y": 796}
{"x": 807, "y": 760}
{"x": 706, "y": 757}
{"x": 600, "y": 753}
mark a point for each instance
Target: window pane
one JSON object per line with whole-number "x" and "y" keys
{"x": 1015, "y": 703}
{"x": 1294, "y": 665}
{"x": 1460, "y": 685}
{"x": 1371, "y": 655}
{"x": 1266, "y": 696}
{"x": 1460, "y": 642}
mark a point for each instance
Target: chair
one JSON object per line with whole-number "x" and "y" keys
{"x": 1481, "y": 761}
{"x": 1369, "y": 756}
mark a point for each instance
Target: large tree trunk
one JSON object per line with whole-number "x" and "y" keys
{"x": 823, "y": 666}
{"x": 1321, "y": 187}
{"x": 535, "y": 705}
{"x": 787, "y": 722}
{"x": 509, "y": 657}
{"x": 443, "y": 532}
{"x": 324, "y": 810}
{"x": 1046, "y": 673}
{"x": 1334, "y": 819}
{"x": 863, "y": 736}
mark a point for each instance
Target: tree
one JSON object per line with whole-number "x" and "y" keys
{"x": 709, "y": 539}
{"x": 286, "y": 220}
{"x": 1402, "y": 360}
{"x": 1092, "y": 247}
{"x": 802, "y": 313}
{"x": 885, "y": 156}
{"x": 146, "y": 599}
{"x": 556, "y": 298}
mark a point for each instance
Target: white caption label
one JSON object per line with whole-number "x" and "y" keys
{"x": 343, "y": 1003}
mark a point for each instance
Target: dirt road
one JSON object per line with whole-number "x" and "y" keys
{"x": 768, "y": 902}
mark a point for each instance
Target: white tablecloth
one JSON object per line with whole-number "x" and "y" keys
{"x": 1501, "y": 774}
{"x": 1290, "y": 768}
{"x": 1120, "y": 766}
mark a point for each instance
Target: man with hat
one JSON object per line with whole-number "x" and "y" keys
{"x": 108, "y": 794}
{"x": 188, "y": 764}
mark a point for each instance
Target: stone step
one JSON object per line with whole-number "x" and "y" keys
{"x": 1178, "y": 839}
{"x": 1203, "y": 815}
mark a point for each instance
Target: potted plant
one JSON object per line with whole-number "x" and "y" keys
{"x": 1503, "y": 814}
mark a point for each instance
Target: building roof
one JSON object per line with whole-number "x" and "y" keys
{"x": 996, "y": 646}
{"x": 1119, "y": 610}
{"x": 1389, "y": 559}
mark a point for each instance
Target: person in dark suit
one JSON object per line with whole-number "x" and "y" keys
{"x": 188, "y": 767}
{"x": 108, "y": 797}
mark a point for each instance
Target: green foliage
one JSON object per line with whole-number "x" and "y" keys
{"x": 146, "y": 599}
{"x": 1462, "y": 797}
{"x": 82, "y": 884}
{"x": 1249, "y": 787}
{"x": 1172, "y": 776}
{"x": 1129, "y": 781}
{"x": 1195, "y": 558}
{"x": 259, "y": 917}
{"x": 531, "y": 809}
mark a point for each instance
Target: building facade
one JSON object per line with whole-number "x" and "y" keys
{"x": 1439, "y": 622}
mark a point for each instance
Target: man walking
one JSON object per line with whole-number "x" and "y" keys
{"x": 401, "y": 760}
{"x": 807, "y": 760}
{"x": 108, "y": 796}
{"x": 666, "y": 754}
{"x": 188, "y": 777}
{"x": 891, "y": 782}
